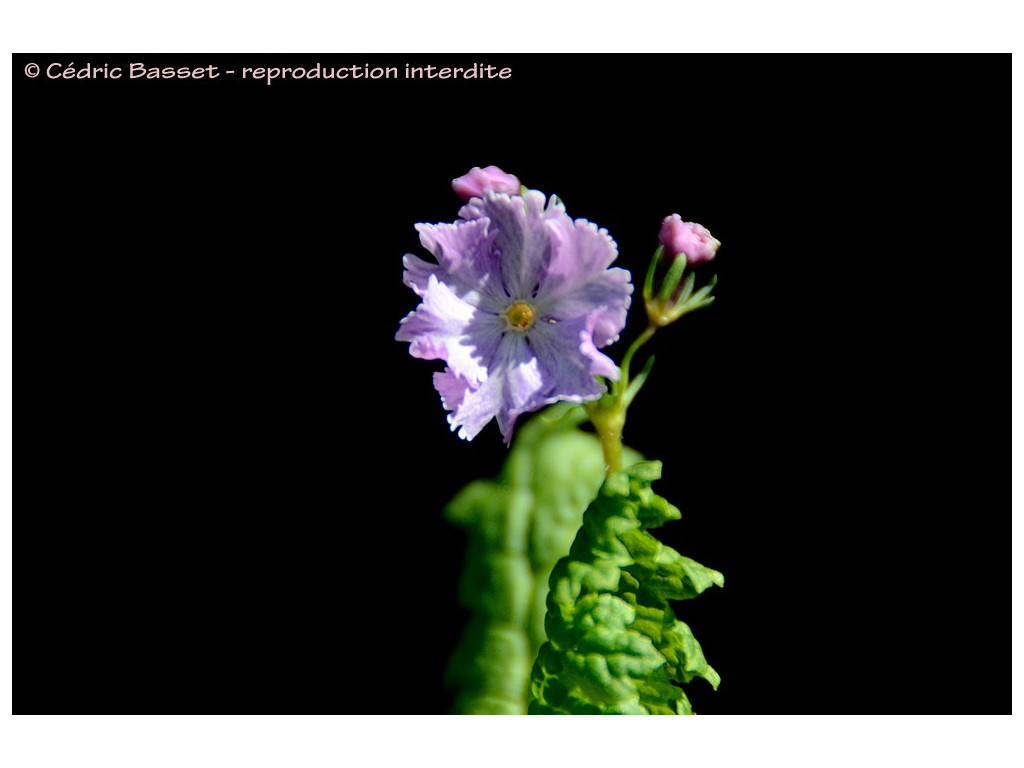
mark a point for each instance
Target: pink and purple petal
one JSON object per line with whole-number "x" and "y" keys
{"x": 600, "y": 363}
{"x": 568, "y": 370}
{"x": 417, "y": 273}
{"x": 466, "y": 253}
{"x": 582, "y": 252}
{"x": 509, "y": 249}
{"x": 514, "y": 386}
{"x": 445, "y": 327}
{"x": 452, "y": 389}
{"x": 522, "y": 239}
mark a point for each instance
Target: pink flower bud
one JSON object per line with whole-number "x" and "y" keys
{"x": 688, "y": 238}
{"x": 477, "y": 180}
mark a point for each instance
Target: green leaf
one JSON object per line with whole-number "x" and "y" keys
{"x": 519, "y": 525}
{"x": 615, "y": 645}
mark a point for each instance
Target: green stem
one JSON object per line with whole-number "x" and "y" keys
{"x": 643, "y": 338}
{"x": 609, "y": 423}
{"x": 609, "y": 413}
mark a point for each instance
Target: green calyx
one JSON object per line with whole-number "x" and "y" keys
{"x": 614, "y": 644}
{"x": 673, "y": 300}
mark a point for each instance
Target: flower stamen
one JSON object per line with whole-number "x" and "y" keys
{"x": 519, "y": 316}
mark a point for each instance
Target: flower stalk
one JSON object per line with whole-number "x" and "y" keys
{"x": 608, "y": 415}
{"x": 666, "y": 300}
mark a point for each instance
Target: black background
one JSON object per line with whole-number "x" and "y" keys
{"x": 232, "y": 490}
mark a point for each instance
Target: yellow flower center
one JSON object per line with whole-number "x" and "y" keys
{"x": 519, "y": 316}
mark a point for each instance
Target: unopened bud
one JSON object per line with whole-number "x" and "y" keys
{"x": 689, "y": 239}
{"x": 683, "y": 244}
{"x": 479, "y": 179}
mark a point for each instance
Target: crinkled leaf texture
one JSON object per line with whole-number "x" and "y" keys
{"x": 615, "y": 645}
{"x": 519, "y": 525}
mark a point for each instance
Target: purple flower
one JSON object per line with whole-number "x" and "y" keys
{"x": 479, "y": 179}
{"x": 518, "y": 305}
{"x": 688, "y": 238}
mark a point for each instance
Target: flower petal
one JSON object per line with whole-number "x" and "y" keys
{"x": 510, "y": 248}
{"x": 466, "y": 252}
{"x": 446, "y": 327}
{"x": 515, "y": 385}
{"x": 525, "y": 383}
{"x": 452, "y": 388}
{"x": 582, "y": 252}
{"x": 521, "y": 236}
{"x": 600, "y": 363}
{"x": 474, "y": 408}
{"x": 609, "y": 291}
{"x": 567, "y": 369}
{"x": 579, "y": 281}
{"x": 417, "y": 272}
